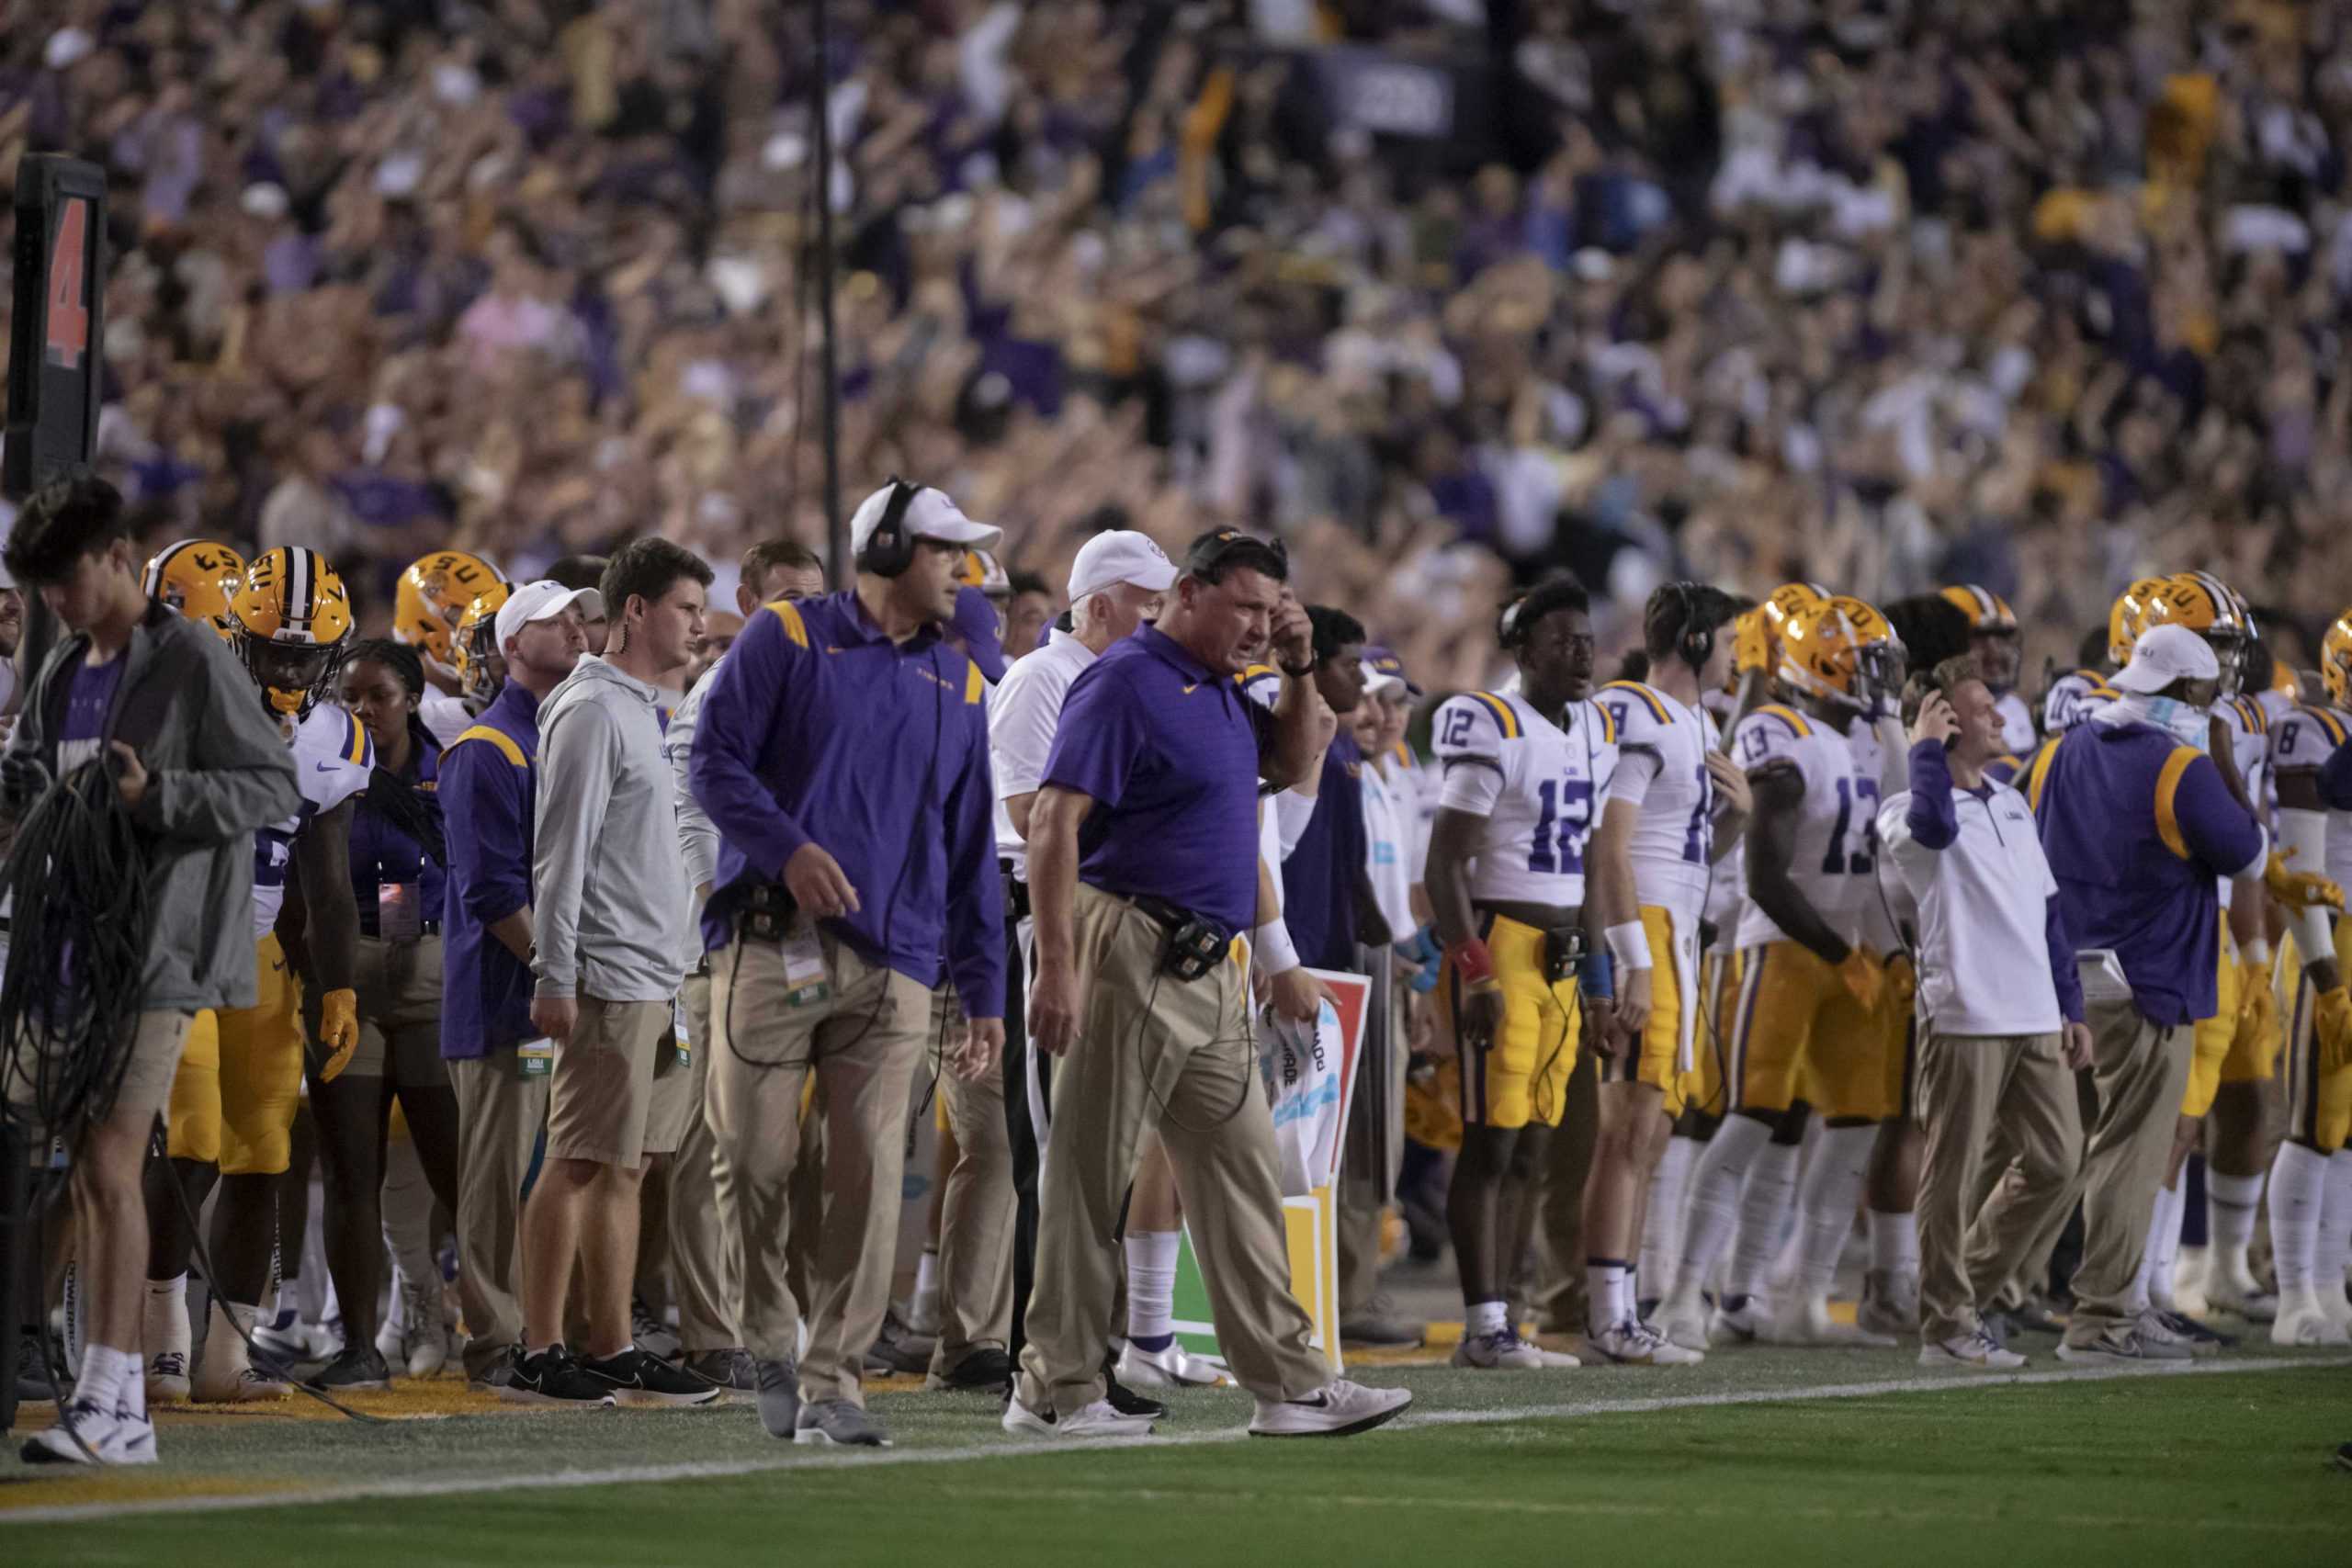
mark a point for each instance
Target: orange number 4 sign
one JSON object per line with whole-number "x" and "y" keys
{"x": 68, "y": 307}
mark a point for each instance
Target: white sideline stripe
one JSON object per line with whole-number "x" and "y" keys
{"x": 1011, "y": 1448}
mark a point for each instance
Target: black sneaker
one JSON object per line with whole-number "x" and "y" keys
{"x": 899, "y": 1351}
{"x": 638, "y": 1377}
{"x": 1125, "y": 1400}
{"x": 985, "y": 1370}
{"x": 34, "y": 1380}
{"x": 733, "y": 1371}
{"x": 2202, "y": 1341}
{"x": 551, "y": 1376}
{"x": 356, "y": 1366}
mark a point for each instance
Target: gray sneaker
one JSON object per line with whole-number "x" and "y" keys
{"x": 779, "y": 1391}
{"x": 2123, "y": 1344}
{"x": 840, "y": 1424}
{"x": 733, "y": 1371}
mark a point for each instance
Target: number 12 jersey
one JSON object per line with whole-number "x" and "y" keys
{"x": 1539, "y": 787}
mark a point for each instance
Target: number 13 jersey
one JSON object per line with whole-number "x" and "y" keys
{"x": 1540, "y": 788}
{"x": 1832, "y": 862}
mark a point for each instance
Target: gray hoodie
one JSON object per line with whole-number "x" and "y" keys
{"x": 609, "y": 900}
{"x": 217, "y": 770}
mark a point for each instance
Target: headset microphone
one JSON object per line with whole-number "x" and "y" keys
{"x": 889, "y": 551}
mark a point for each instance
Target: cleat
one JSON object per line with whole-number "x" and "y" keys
{"x": 1169, "y": 1367}
{"x": 1683, "y": 1320}
{"x": 1807, "y": 1323}
{"x": 1889, "y": 1303}
{"x": 240, "y": 1385}
{"x": 1503, "y": 1352}
{"x": 1127, "y": 1400}
{"x": 2303, "y": 1324}
{"x": 1340, "y": 1409}
{"x": 1739, "y": 1320}
{"x": 1636, "y": 1344}
{"x": 2249, "y": 1302}
{"x": 167, "y": 1382}
{"x": 1100, "y": 1419}
{"x": 354, "y": 1369}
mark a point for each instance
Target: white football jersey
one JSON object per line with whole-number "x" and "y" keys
{"x": 1834, "y": 859}
{"x": 1663, "y": 746}
{"x": 2073, "y": 699}
{"x": 333, "y": 758}
{"x": 2303, "y": 740}
{"x": 2017, "y": 722}
{"x": 447, "y": 716}
{"x": 1887, "y": 906}
{"x": 1539, "y": 788}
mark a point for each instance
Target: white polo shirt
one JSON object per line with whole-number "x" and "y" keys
{"x": 1024, "y": 711}
{"x": 1983, "y": 915}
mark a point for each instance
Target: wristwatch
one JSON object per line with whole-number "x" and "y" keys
{"x": 1301, "y": 673}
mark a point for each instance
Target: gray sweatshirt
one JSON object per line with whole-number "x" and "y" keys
{"x": 610, "y": 898}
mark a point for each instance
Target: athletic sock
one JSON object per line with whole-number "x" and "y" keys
{"x": 1485, "y": 1317}
{"x": 927, "y": 1271}
{"x": 1151, "y": 1288}
{"x": 1763, "y": 1216}
{"x": 286, "y": 1307}
{"x": 2163, "y": 1246}
{"x": 131, "y": 1399}
{"x": 163, "y": 1324}
{"x": 1832, "y": 1186}
{"x": 104, "y": 1370}
{"x": 2298, "y": 1187}
{"x": 2334, "y": 1236}
{"x": 224, "y": 1348}
{"x": 1662, "y": 1222}
{"x": 1718, "y": 1179}
{"x": 1604, "y": 1291}
{"x": 1895, "y": 1242}
{"x": 2229, "y": 1205}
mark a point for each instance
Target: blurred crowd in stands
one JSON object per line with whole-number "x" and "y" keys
{"x": 2028, "y": 293}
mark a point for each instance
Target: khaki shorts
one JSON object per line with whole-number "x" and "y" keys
{"x": 146, "y": 1084}
{"x": 601, "y": 1105}
{"x": 399, "y": 990}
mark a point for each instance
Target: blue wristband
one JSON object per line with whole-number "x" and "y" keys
{"x": 1594, "y": 978}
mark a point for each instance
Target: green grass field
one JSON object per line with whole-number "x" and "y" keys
{"x": 1783, "y": 1457}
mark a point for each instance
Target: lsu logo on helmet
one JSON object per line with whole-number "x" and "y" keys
{"x": 196, "y": 577}
{"x": 2211, "y": 609}
{"x": 2336, "y": 661}
{"x": 1841, "y": 649}
{"x": 433, "y": 594}
{"x": 2128, "y": 617}
{"x": 1755, "y": 634}
{"x": 292, "y": 620}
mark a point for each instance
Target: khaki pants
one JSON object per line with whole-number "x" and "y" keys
{"x": 864, "y": 1042}
{"x": 1968, "y": 1087}
{"x": 2139, "y": 1072}
{"x": 1154, "y": 1050}
{"x": 701, "y": 1269}
{"x": 500, "y": 1112}
{"x": 977, "y": 1211}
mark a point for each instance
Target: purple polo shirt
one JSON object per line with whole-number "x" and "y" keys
{"x": 2137, "y": 830}
{"x": 817, "y": 728}
{"x": 1168, "y": 752}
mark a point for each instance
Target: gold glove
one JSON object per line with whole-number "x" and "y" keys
{"x": 1864, "y": 976}
{"x": 2334, "y": 1023}
{"x": 338, "y": 1031}
{"x": 2299, "y": 889}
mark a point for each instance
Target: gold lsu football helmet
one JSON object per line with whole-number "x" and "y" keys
{"x": 433, "y": 594}
{"x": 2211, "y": 609}
{"x": 476, "y": 645}
{"x": 2336, "y": 661}
{"x": 1755, "y": 634}
{"x": 1842, "y": 650}
{"x": 292, "y": 622}
{"x": 981, "y": 569}
{"x": 2128, "y": 617}
{"x": 196, "y": 577}
{"x": 1989, "y": 616}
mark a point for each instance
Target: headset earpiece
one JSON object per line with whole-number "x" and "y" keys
{"x": 888, "y": 551}
{"x": 1694, "y": 645}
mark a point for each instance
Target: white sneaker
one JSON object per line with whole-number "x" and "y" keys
{"x": 1806, "y": 1323}
{"x": 1739, "y": 1325}
{"x": 1971, "y": 1352}
{"x": 1889, "y": 1303}
{"x": 1100, "y": 1419}
{"x": 297, "y": 1340}
{"x": 167, "y": 1377}
{"x": 1504, "y": 1352}
{"x": 2242, "y": 1298}
{"x": 2303, "y": 1324}
{"x": 109, "y": 1436}
{"x": 1633, "y": 1343}
{"x": 1683, "y": 1320}
{"x": 1171, "y": 1367}
{"x": 1339, "y": 1409}
{"x": 237, "y": 1386}
{"x": 425, "y": 1339}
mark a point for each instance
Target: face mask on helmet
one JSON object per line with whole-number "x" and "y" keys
{"x": 291, "y": 675}
{"x": 479, "y": 680}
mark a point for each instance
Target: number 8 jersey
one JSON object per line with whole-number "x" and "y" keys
{"x": 1833, "y": 861}
{"x": 1539, "y": 788}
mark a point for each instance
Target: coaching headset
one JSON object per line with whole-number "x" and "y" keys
{"x": 889, "y": 551}
{"x": 1693, "y": 647}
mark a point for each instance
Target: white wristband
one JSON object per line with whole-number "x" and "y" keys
{"x": 1629, "y": 945}
{"x": 1276, "y": 955}
{"x": 2255, "y": 951}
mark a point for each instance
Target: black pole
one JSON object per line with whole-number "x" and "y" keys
{"x": 836, "y": 520}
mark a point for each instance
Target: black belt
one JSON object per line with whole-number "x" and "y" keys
{"x": 425, "y": 928}
{"x": 1016, "y": 893}
{"x": 1196, "y": 944}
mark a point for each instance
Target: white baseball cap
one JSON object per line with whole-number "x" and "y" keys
{"x": 930, "y": 516}
{"x": 1120, "y": 555}
{"x": 2165, "y": 654}
{"x": 542, "y": 601}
